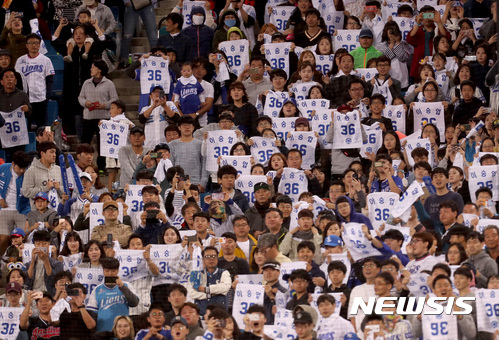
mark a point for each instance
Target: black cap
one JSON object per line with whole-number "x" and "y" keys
{"x": 156, "y": 88}
{"x": 137, "y": 129}
{"x": 303, "y": 317}
{"x": 5, "y": 52}
{"x": 161, "y": 146}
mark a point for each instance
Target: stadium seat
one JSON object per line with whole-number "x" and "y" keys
{"x": 2, "y": 155}
{"x": 32, "y": 143}
{"x": 52, "y": 111}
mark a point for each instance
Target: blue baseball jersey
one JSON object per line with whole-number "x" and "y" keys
{"x": 108, "y": 303}
{"x": 188, "y": 96}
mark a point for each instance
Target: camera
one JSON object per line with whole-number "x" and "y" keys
{"x": 73, "y": 292}
{"x": 428, "y": 15}
{"x": 155, "y": 155}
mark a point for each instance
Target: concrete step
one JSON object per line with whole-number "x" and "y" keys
{"x": 125, "y": 82}
{"x": 140, "y": 49}
{"x": 125, "y": 92}
{"x": 131, "y": 99}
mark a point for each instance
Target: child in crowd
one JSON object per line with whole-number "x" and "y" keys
{"x": 188, "y": 92}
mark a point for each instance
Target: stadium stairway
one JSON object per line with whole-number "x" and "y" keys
{"x": 128, "y": 89}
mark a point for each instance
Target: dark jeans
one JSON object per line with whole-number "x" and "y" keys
{"x": 38, "y": 115}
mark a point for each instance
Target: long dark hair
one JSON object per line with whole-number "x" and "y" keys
{"x": 462, "y": 252}
{"x": 179, "y": 238}
{"x": 383, "y": 149}
{"x": 457, "y": 81}
{"x": 87, "y": 247}
{"x": 437, "y": 132}
{"x": 390, "y": 26}
{"x": 76, "y": 237}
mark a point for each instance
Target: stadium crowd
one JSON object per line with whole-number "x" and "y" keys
{"x": 287, "y": 159}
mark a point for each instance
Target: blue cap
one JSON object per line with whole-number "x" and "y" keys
{"x": 366, "y": 32}
{"x": 351, "y": 336}
{"x": 18, "y": 232}
{"x": 290, "y": 100}
{"x": 333, "y": 241}
{"x": 42, "y": 195}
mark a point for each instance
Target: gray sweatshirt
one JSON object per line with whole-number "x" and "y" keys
{"x": 36, "y": 178}
{"x": 189, "y": 157}
{"x": 103, "y": 92}
{"x": 129, "y": 160}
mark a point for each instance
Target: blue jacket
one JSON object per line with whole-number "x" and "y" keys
{"x": 201, "y": 36}
{"x": 22, "y": 205}
{"x": 354, "y": 216}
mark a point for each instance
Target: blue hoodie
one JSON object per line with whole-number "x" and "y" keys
{"x": 201, "y": 36}
{"x": 22, "y": 205}
{"x": 354, "y": 216}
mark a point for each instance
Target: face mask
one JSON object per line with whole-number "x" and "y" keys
{"x": 218, "y": 212}
{"x": 230, "y": 22}
{"x": 197, "y": 20}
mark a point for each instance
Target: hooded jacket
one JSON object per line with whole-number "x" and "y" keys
{"x": 221, "y": 32}
{"x": 201, "y": 36}
{"x": 354, "y": 216}
{"x": 22, "y": 203}
{"x": 36, "y": 178}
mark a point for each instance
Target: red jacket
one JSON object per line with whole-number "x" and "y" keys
{"x": 418, "y": 41}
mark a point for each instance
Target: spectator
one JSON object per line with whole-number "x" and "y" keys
{"x": 246, "y": 243}
{"x": 190, "y": 312}
{"x": 478, "y": 259}
{"x": 247, "y": 17}
{"x": 156, "y": 320}
{"x": 299, "y": 282}
{"x": 112, "y": 225}
{"x": 256, "y": 214}
{"x": 177, "y": 297}
{"x": 148, "y": 17}
{"x": 42, "y": 269}
{"x": 313, "y": 32}
{"x": 13, "y": 205}
{"x": 108, "y": 308}
{"x": 229, "y": 260}
{"x": 304, "y": 231}
{"x": 267, "y": 245}
{"x": 366, "y": 50}
{"x": 39, "y": 327}
{"x": 12, "y": 38}
{"x": 200, "y": 34}
{"x": 175, "y": 38}
{"x": 256, "y": 83}
{"x": 39, "y": 71}
{"x": 228, "y": 19}
{"x": 213, "y": 285}
{"x": 370, "y": 268}
{"x": 131, "y": 155}
{"x": 102, "y": 15}
{"x": 96, "y": 96}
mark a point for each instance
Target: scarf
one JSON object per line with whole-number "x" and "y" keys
{"x": 261, "y": 208}
{"x": 391, "y": 321}
{"x": 186, "y": 81}
{"x": 304, "y": 235}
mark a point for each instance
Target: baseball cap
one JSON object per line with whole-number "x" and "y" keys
{"x": 18, "y": 232}
{"x": 86, "y": 175}
{"x": 351, "y": 336}
{"x": 42, "y": 195}
{"x": 5, "y": 52}
{"x": 302, "y": 121}
{"x": 290, "y": 100}
{"x": 136, "y": 129}
{"x": 333, "y": 241}
{"x": 120, "y": 193}
{"x": 161, "y": 146}
{"x": 13, "y": 287}
{"x": 271, "y": 264}
{"x": 366, "y": 33}
{"x": 266, "y": 241}
{"x": 307, "y": 309}
{"x": 344, "y": 108}
{"x": 178, "y": 319}
{"x": 260, "y": 185}
{"x": 157, "y": 87}
{"x": 303, "y": 317}
{"x": 110, "y": 204}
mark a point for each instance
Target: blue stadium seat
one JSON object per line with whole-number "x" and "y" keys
{"x": 2, "y": 155}
{"x": 32, "y": 143}
{"x": 52, "y": 111}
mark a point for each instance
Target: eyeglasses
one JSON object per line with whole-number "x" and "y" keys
{"x": 160, "y": 314}
{"x": 357, "y": 89}
{"x": 413, "y": 241}
{"x": 370, "y": 265}
{"x": 111, "y": 209}
{"x": 210, "y": 257}
{"x": 33, "y": 43}
{"x": 387, "y": 269}
{"x": 264, "y": 250}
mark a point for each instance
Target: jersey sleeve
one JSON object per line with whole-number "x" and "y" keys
{"x": 49, "y": 68}
{"x": 92, "y": 302}
{"x": 199, "y": 88}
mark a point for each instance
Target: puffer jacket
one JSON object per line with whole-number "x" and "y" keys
{"x": 36, "y": 178}
{"x": 201, "y": 36}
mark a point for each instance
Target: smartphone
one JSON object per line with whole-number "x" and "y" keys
{"x": 110, "y": 279}
{"x": 378, "y": 164}
{"x": 61, "y": 220}
{"x": 221, "y": 240}
{"x": 254, "y": 70}
{"x": 455, "y": 147}
{"x": 486, "y": 110}
{"x": 151, "y": 214}
{"x": 73, "y": 292}
{"x": 465, "y": 127}
{"x": 370, "y": 8}
{"x": 428, "y": 15}
{"x": 470, "y": 58}
{"x": 37, "y": 295}
{"x": 456, "y": 4}
{"x": 217, "y": 196}
{"x": 356, "y": 175}
{"x": 372, "y": 328}
{"x": 192, "y": 239}
{"x": 254, "y": 317}
{"x": 110, "y": 242}
{"x": 48, "y": 129}
{"x": 44, "y": 249}
{"x": 221, "y": 322}
{"x": 20, "y": 15}
{"x": 220, "y": 56}
{"x": 184, "y": 177}
{"x": 162, "y": 94}
{"x": 155, "y": 155}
